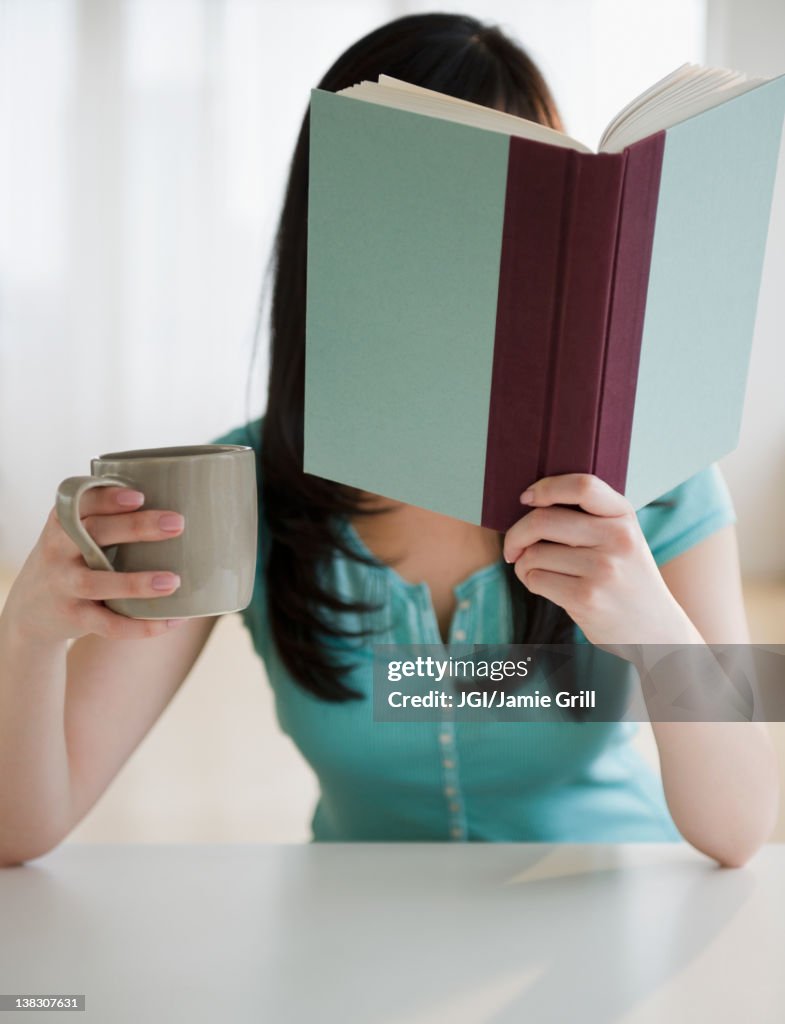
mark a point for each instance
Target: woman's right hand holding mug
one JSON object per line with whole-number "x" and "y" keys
{"x": 56, "y": 597}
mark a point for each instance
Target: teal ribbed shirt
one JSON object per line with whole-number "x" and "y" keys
{"x": 495, "y": 781}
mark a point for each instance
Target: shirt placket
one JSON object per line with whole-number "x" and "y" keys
{"x": 448, "y": 746}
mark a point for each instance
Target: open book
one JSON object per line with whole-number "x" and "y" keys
{"x": 685, "y": 92}
{"x": 490, "y": 302}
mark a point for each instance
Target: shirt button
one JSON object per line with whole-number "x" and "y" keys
{"x": 455, "y": 833}
{"x": 445, "y": 737}
{"x": 455, "y": 808}
{"x": 460, "y": 634}
{"x": 449, "y": 791}
{"x": 448, "y": 764}
{"x": 464, "y": 605}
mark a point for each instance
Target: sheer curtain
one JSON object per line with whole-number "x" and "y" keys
{"x": 143, "y": 154}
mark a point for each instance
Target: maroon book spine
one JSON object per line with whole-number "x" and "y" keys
{"x": 643, "y": 166}
{"x": 588, "y": 252}
{"x": 529, "y": 271}
{"x": 576, "y": 250}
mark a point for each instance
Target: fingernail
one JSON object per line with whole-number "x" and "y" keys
{"x": 174, "y": 622}
{"x": 171, "y": 521}
{"x": 130, "y": 498}
{"x": 527, "y": 497}
{"x": 166, "y": 581}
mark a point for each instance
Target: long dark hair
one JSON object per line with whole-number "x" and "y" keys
{"x": 462, "y": 57}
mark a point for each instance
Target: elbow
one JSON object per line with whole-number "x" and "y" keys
{"x": 736, "y": 831}
{"x": 735, "y": 858}
{"x": 22, "y": 849}
{"x": 738, "y": 850}
{"x": 731, "y": 847}
{"x": 10, "y": 862}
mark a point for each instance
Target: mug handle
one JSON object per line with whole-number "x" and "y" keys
{"x": 69, "y": 494}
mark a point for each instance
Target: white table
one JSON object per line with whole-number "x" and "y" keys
{"x": 398, "y": 933}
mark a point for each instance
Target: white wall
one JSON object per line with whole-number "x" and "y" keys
{"x": 143, "y": 152}
{"x": 749, "y": 35}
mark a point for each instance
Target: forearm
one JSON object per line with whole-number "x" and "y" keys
{"x": 721, "y": 785}
{"x": 720, "y": 777}
{"x": 34, "y": 772}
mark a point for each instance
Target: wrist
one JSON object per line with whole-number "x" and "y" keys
{"x": 674, "y": 632}
{"x": 17, "y": 642}
{"x": 669, "y": 633}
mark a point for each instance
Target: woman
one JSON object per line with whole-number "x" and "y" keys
{"x": 339, "y": 571}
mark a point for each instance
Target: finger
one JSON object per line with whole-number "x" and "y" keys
{"x": 558, "y": 525}
{"x": 105, "y": 500}
{"x": 104, "y": 622}
{"x": 555, "y": 558}
{"x": 101, "y": 585}
{"x": 583, "y": 489}
{"x": 129, "y": 527}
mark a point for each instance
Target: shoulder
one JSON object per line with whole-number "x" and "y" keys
{"x": 687, "y": 514}
{"x": 249, "y": 434}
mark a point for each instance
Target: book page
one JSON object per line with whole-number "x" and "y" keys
{"x": 685, "y": 92}
{"x": 392, "y": 92}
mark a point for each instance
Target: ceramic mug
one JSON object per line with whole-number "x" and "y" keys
{"x": 214, "y": 487}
